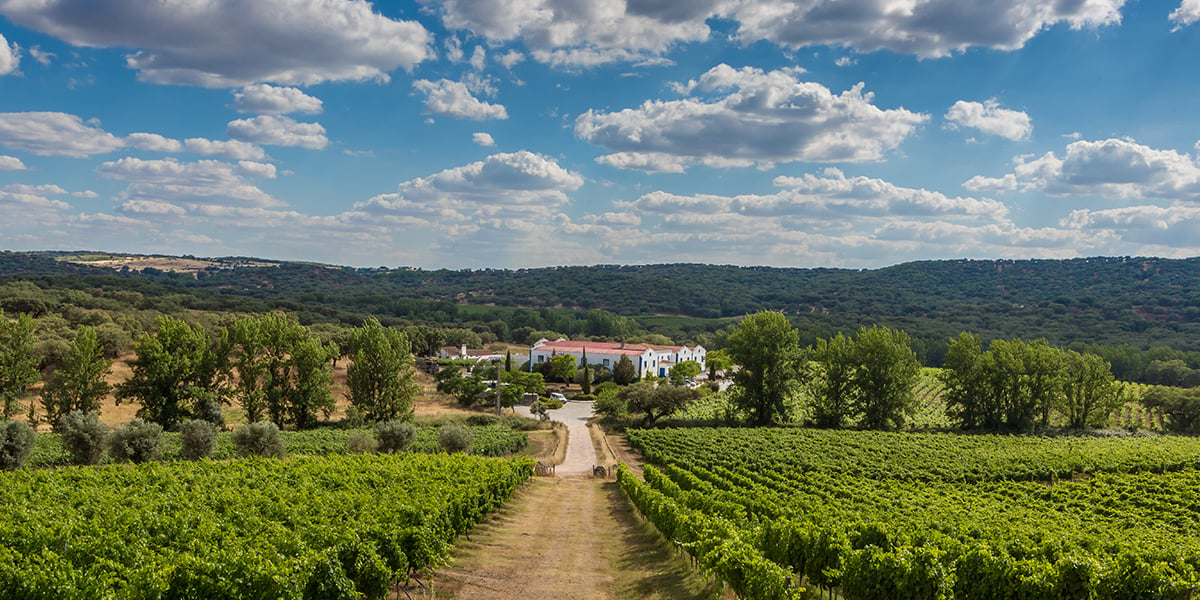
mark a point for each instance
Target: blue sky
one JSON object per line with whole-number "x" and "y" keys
{"x": 523, "y": 133}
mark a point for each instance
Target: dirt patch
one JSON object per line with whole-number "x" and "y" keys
{"x": 163, "y": 263}
{"x": 567, "y": 538}
{"x": 618, "y": 444}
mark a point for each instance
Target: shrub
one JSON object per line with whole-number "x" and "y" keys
{"x": 361, "y": 442}
{"x": 519, "y": 423}
{"x": 482, "y": 420}
{"x": 454, "y": 438}
{"x": 605, "y": 388}
{"x": 137, "y": 441}
{"x": 197, "y": 438}
{"x": 394, "y": 436}
{"x": 611, "y": 405}
{"x": 16, "y": 444}
{"x": 259, "y": 439}
{"x": 83, "y": 436}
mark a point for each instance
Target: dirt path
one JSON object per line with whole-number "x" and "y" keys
{"x": 569, "y": 538}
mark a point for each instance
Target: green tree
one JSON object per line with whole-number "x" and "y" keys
{"x": 246, "y": 357}
{"x": 381, "y": 377}
{"x": 562, "y": 367}
{"x": 311, "y": 381}
{"x": 972, "y": 401}
{"x": 284, "y": 370}
{"x": 466, "y": 389}
{"x": 172, "y": 373}
{"x": 655, "y": 401}
{"x": 585, "y": 385}
{"x": 685, "y": 370}
{"x": 1090, "y": 393}
{"x": 511, "y": 394}
{"x": 18, "y": 365}
{"x": 624, "y": 372}
{"x": 79, "y": 384}
{"x": 1182, "y": 407}
{"x": 533, "y": 383}
{"x": 768, "y": 351}
{"x": 833, "y": 394}
{"x": 717, "y": 361}
{"x": 886, "y": 369}
{"x": 1028, "y": 376}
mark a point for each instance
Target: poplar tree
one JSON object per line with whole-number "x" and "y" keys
{"x": 79, "y": 384}
{"x": 18, "y": 366}
{"x": 381, "y": 376}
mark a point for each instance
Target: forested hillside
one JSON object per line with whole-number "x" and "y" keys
{"x": 1142, "y": 302}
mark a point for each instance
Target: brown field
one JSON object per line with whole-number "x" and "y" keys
{"x": 162, "y": 263}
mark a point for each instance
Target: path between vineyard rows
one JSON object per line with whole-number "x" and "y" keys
{"x": 570, "y": 537}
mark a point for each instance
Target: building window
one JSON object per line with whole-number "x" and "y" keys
{"x": 541, "y": 358}
{"x": 606, "y": 362}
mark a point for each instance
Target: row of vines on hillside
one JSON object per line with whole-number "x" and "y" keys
{"x": 312, "y": 527}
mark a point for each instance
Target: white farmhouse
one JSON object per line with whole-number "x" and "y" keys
{"x": 647, "y": 359}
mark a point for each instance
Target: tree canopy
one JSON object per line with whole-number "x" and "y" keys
{"x": 767, "y": 350}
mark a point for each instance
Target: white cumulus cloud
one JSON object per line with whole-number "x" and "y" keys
{"x": 764, "y": 117}
{"x": 268, "y": 99}
{"x": 10, "y": 57}
{"x": 507, "y": 188}
{"x": 235, "y": 149}
{"x": 11, "y": 163}
{"x": 483, "y": 139}
{"x": 454, "y": 99}
{"x": 189, "y": 184}
{"x": 230, "y": 43}
{"x": 278, "y": 131}
{"x": 1112, "y": 168}
{"x": 573, "y": 33}
{"x": 153, "y": 142}
{"x": 989, "y": 118}
{"x": 1187, "y": 13}
{"x": 54, "y": 134}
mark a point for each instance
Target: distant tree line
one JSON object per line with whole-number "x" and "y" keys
{"x": 1142, "y": 309}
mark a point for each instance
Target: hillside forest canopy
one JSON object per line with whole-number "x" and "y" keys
{"x": 1137, "y": 313}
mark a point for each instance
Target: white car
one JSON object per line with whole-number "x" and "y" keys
{"x": 558, "y": 396}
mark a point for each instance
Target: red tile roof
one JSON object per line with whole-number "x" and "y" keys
{"x": 601, "y": 347}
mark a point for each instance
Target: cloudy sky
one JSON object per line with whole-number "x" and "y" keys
{"x": 521, "y": 133}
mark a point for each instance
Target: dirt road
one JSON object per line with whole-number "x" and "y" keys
{"x": 571, "y": 537}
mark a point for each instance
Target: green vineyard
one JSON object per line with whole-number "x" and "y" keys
{"x": 487, "y": 440}
{"x": 335, "y": 527}
{"x": 895, "y": 516}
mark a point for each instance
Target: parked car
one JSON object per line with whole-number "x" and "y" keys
{"x": 557, "y": 396}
